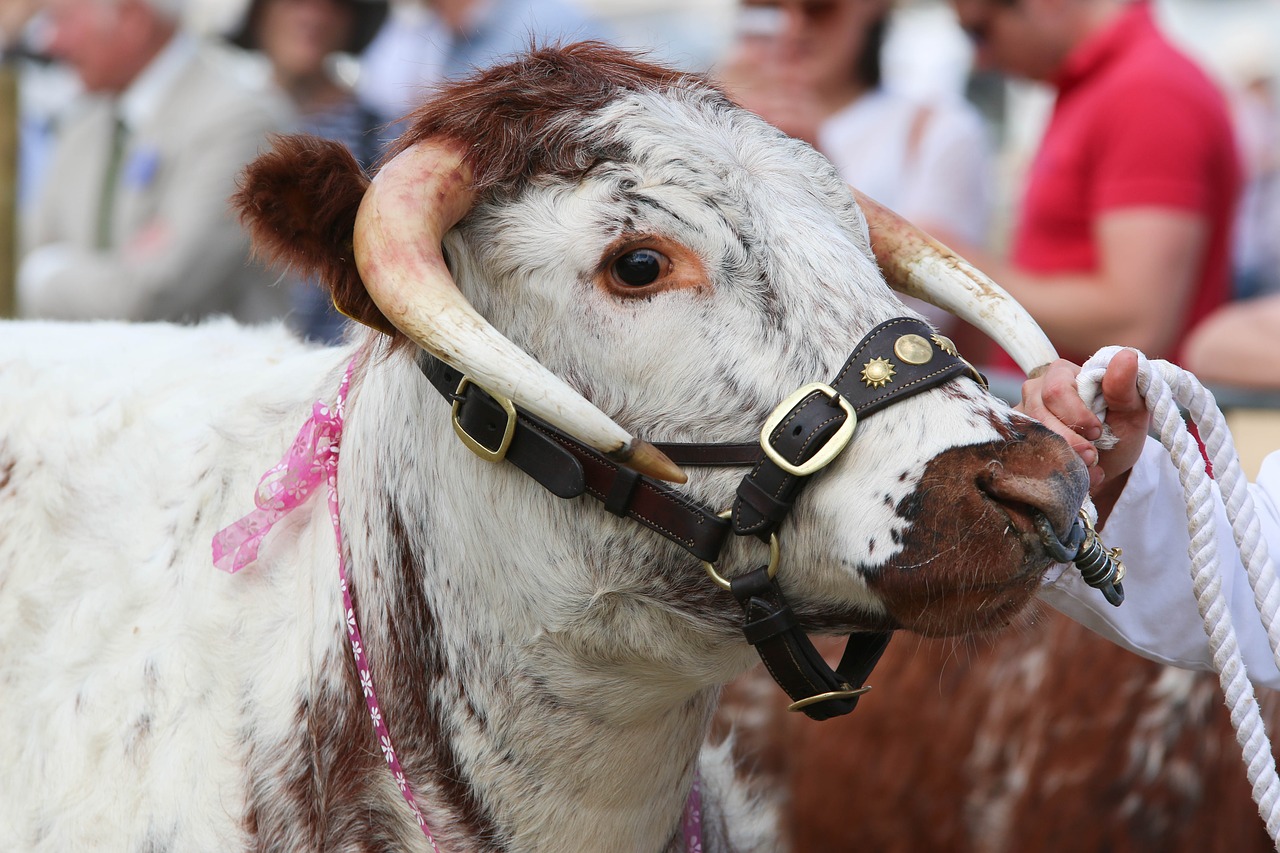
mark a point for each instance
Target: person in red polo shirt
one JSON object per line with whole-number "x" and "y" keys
{"x": 1124, "y": 231}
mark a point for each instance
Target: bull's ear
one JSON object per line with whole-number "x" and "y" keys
{"x": 299, "y": 204}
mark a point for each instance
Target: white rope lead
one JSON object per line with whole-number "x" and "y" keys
{"x": 1165, "y": 386}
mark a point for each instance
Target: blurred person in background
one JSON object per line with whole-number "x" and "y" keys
{"x": 299, "y": 39}
{"x": 132, "y": 220}
{"x": 425, "y": 42}
{"x": 1250, "y": 74}
{"x": 1124, "y": 235}
{"x": 45, "y": 90}
{"x": 14, "y": 17}
{"x": 813, "y": 69}
{"x": 1239, "y": 344}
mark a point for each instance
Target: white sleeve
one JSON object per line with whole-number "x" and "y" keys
{"x": 949, "y": 182}
{"x": 1159, "y": 618}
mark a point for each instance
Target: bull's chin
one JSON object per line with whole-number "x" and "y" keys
{"x": 966, "y": 606}
{"x": 966, "y": 612}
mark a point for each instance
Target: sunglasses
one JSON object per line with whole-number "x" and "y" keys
{"x": 767, "y": 18}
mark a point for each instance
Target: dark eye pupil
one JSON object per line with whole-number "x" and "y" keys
{"x": 638, "y": 268}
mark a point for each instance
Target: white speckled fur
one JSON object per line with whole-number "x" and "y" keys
{"x": 143, "y": 691}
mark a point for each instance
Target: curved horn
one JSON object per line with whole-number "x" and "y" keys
{"x": 918, "y": 265}
{"x": 410, "y": 205}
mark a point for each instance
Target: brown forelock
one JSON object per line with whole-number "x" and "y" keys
{"x": 299, "y": 203}
{"x": 522, "y": 119}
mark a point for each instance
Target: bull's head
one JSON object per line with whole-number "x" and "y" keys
{"x": 661, "y": 261}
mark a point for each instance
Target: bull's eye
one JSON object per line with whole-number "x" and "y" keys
{"x": 639, "y": 267}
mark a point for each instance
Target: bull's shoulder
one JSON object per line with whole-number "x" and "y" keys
{"x": 89, "y": 401}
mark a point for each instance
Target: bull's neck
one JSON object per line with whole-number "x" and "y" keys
{"x": 540, "y": 737}
{"x": 536, "y": 690}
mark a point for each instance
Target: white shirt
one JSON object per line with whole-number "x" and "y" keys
{"x": 929, "y": 162}
{"x": 1159, "y": 618}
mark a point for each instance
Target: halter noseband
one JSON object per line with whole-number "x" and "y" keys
{"x": 806, "y": 432}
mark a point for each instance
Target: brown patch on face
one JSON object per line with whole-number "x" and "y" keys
{"x": 524, "y": 119}
{"x": 971, "y": 556}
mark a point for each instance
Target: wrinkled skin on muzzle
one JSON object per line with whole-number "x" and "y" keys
{"x": 999, "y": 488}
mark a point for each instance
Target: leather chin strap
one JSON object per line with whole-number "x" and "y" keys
{"x": 897, "y": 359}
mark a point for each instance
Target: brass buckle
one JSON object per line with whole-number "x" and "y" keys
{"x": 507, "y": 434}
{"x": 829, "y": 451}
{"x": 847, "y": 693}
{"x": 775, "y": 557}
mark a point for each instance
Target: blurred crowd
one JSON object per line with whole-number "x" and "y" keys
{"x": 1148, "y": 214}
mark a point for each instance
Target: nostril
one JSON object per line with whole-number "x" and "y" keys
{"x": 1056, "y": 497}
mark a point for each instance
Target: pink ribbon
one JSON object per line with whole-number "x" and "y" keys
{"x": 692, "y": 822}
{"x": 312, "y": 459}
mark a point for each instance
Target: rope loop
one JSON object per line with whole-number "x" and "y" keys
{"x": 1166, "y": 387}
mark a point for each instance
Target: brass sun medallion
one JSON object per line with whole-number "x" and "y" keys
{"x": 877, "y": 372}
{"x": 944, "y": 343}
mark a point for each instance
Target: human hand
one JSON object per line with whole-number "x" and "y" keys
{"x": 1052, "y": 399}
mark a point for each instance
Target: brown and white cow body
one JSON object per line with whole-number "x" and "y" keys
{"x": 548, "y": 671}
{"x": 1044, "y": 738}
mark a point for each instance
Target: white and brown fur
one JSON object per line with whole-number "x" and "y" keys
{"x": 1043, "y": 739}
{"x": 548, "y": 671}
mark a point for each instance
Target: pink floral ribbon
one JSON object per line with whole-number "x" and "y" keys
{"x": 312, "y": 459}
{"x": 692, "y": 822}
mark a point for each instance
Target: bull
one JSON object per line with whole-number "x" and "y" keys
{"x": 563, "y": 254}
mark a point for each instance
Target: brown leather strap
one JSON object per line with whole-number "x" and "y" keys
{"x": 657, "y": 506}
{"x": 702, "y": 455}
{"x": 873, "y": 377}
{"x": 567, "y": 468}
{"x": 880, "y": 371}
{"x": 531, "y": 450}
{"x": 792, "y": 659}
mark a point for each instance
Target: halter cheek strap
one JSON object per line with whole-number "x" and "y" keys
{"x": 897, "y": 359}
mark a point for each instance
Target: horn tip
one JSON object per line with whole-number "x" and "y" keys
{"x": 649, "y": 460}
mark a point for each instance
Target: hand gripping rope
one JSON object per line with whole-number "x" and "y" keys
{"x": 1165, "y": 387}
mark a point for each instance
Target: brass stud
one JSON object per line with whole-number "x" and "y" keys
{"x": 913, "y": 349}
{"x": 877, "y": 373}
{"x": 944, "y": 343}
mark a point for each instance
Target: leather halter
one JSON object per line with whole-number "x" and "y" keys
{"x": 896, "y": 359}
